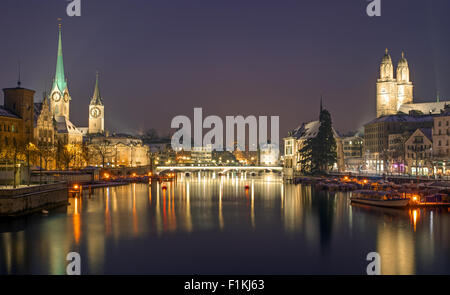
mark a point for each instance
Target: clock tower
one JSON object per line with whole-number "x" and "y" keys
{"x": 59, "y": 94}
{"x": 96, "y": 112}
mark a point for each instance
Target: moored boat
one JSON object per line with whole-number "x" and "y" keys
{"x": 379, "y": 198}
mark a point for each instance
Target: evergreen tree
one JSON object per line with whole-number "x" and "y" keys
{"x": 319, "y": 153}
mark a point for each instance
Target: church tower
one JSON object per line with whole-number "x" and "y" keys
{"x": 386, "y": 88}
{"x": 96, "y": 112}
{"x": 59, "y": 94}
{"x": 404, "y": 85}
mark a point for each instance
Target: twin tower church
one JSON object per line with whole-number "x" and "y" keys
{"x": 60, "y": 105}
{"x": 395, "y": 94}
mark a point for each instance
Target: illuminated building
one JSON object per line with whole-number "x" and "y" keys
{"x": 96, "y": 112}
{"x": 441, "y": 142}
{"x": 395, "y": 94}
{"x": 418, "y": 151}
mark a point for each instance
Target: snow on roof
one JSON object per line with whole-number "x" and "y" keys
{"x": 5, "y": 113}
{"x": 402, "y": 118}
{"x": 63, "y": 125}
{"x": 309, "y": 130}
{"x": 424, "y": 107}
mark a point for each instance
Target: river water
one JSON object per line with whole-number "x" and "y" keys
{"x": 208, "y": 224}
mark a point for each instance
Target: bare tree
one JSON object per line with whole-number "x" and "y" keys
{"x": 68, "y": 153}
{"x": 16, "y": 152}
{"x": 46, "y": 153}
{"x": 103, "y": 149}
{"x": 86, "y": 153}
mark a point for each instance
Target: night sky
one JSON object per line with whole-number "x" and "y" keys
{"x": 159, "y": 59}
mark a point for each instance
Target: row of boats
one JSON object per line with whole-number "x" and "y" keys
{"x": 385, "y": 194}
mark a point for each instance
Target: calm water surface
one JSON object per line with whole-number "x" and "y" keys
{"x": 214, "y": 225}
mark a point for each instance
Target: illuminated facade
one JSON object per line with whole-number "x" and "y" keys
{"x": 117, "y": 151}
{"x": 393, "y": 92}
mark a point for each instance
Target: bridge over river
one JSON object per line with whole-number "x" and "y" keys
{"x": 219, "y": 168}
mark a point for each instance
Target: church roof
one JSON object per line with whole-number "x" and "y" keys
{"x": 96, "y": 98}
{"x": 386, "y": 57}
{"x": 6, "y": 113}
{"x": 38, "y": 108}
{"x": 309, "y": 130}
{"x": 425, "y": 107}
{"x": 37, "y": 111}
{"x": 403, "y": 61}
{"x": 402, "y": 118}
{"x": 60, "y": 79}
{"x": 63, "y": 125}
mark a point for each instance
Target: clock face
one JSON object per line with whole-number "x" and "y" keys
{"x": 95, "y": 112}
{"x": 56, "y": 96}
{"x": 66, "y": 97}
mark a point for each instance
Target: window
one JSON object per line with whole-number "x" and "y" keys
{"x": 289, "y": 148}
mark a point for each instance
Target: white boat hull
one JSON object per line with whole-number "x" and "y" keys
{"x": 382, "y": 203}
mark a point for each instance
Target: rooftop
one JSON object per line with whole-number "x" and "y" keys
{"x": 5, "y": 113}
{"x": 402, "y": 118}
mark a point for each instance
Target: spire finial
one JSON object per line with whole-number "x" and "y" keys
{"x": 96, "y": 98}
{"x": 438, "y": 96}
{"x": 387, "y": 51}
{"x": 18, "y": 80}
{"x": 59, "y": 22}
{"x": 321, "y": 104}
{"x": 403, "y": 54}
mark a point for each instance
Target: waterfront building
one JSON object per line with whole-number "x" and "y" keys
{"x": 202, "y": 155}
{"x": 18, "y": 104}
{"x": 418, "y": 151}
{"x": 395, "y": 94}
{"x": 441, "y": 142}
{"x": 118, "y": 150}
{"x": 376, "y": 137}
{"x": 16, "y": 118}
{"x": 184, "y": 157}
{"x": 353, "y": 146}
{"x": 224, "y": 157}
{"x": 295, "y": 142}
{"x": 246, "y": 157}
{"x": 396, "y": 152}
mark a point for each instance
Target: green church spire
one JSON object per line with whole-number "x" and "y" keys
{"x": 60, "y": 79}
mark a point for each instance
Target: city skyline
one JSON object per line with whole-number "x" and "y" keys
{"x": 173, "y": 55}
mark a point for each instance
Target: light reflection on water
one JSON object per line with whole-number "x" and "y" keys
{"x": 216, "y": 224}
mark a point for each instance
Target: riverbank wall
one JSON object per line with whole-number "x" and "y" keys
{"x": 26, "y": 200}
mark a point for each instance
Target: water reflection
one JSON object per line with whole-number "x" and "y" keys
{"x": 310, "y": 232}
